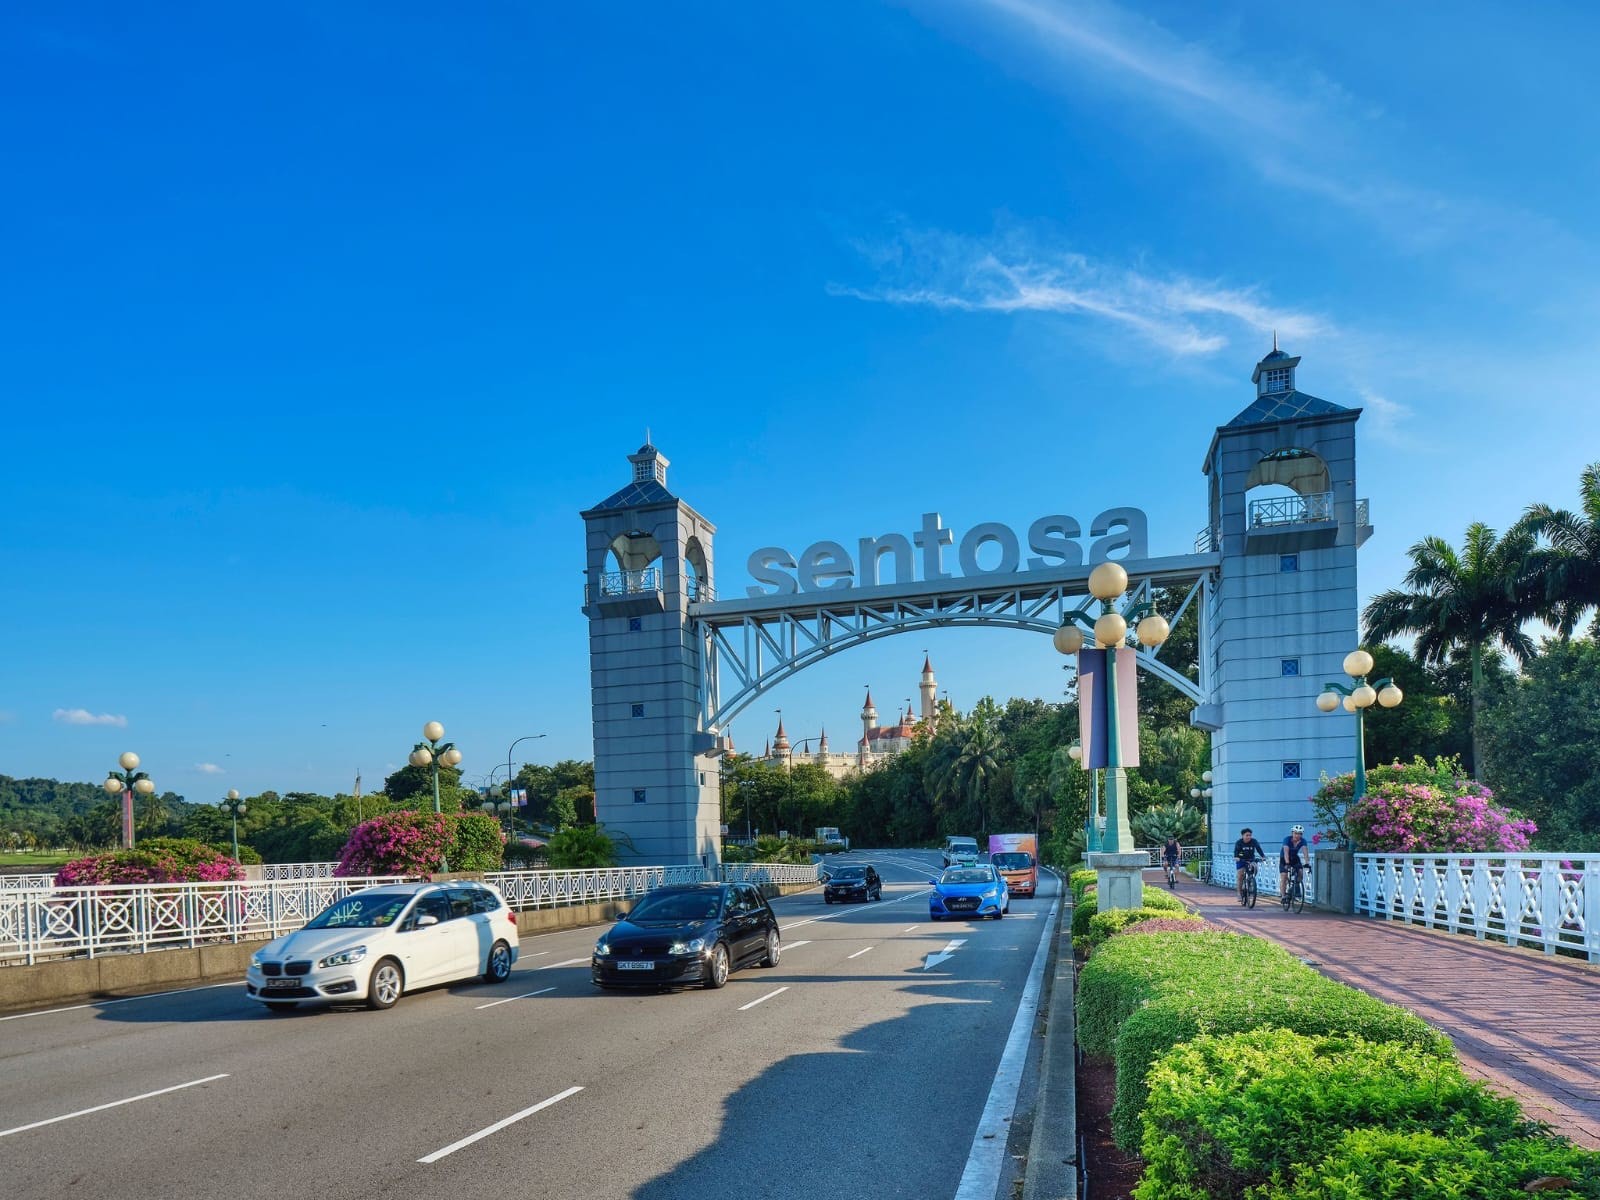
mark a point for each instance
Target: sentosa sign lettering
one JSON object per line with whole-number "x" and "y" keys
{"x": 986, "y": 549}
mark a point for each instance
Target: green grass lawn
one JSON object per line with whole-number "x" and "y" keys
{"x": 42, "y": 860}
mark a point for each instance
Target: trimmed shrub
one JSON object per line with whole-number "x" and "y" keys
{"x": 154, "y": 860}
{"x": 1227, "y": 1114}
{"x": 582, "y": 846}
{"x": 1126, "y": 974}
{"x": 477, "y": 844}
{"x": 1081, "y": 881}
{"x": 1104, "y": 924}
{"x": 1086, "y": 908}
{"x": 1377, "y": 1164}
{"x": 1170, "y": 923}
{"x": 1300, "y": 1001}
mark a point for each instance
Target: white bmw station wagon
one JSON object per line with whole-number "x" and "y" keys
{"x": 376, "y": 944}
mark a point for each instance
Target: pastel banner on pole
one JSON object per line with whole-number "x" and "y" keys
{"x": 1093, "y": 723}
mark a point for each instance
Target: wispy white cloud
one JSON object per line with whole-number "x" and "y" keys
{"x": 82, "y": 716}
{"x": 1386, "y": 418}
{"x": 209, "y": 769}
{"x": 1019, "y": 271}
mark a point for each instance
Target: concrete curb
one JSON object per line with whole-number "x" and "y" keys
{"x": 1052, "y": 1171}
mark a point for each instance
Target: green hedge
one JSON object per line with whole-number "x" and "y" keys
{"x": 1104, "y": 924}
{"x": 1081, "y": 881}
{"x": 1228, "y": 1114}
{"x": 1377, "y": 1164}
{"x": 1127, "y": 973}
{"x": 1085, "y": 909}
{"x": 1304, "y": 1003}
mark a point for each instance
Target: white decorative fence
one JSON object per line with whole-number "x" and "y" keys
{"x": 27, "y": 883}
{"x": 1224, "y": 874}
{"x": 317, "y": 870}
{"x": 50, "y": 923}
{"x": 1551, "y": 901}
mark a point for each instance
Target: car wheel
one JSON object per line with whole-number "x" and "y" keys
{"x": 999, "y": 914}
{"x": 499, "y": 969}
{"x": 717, "y": 968}
{"x": 878, "y": 895}
{"x": 280, "y": 1006}
{"x": 386, "y": 984}
{"x": 935, "y": 917}
{"x": 827, "y": 899}
{"x": 774, "y": 949}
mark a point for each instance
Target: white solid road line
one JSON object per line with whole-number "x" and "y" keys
{"x": 859, "y": 953}
{"x": 178, "y": 1087}
{"x": 45, "y": 1012}
{"x": 908, "y": 929}
{"x": 509, "y": 999}
{"x": 534, "y": 954}
{"x": 981, "y": 1178}
{"x": 795, "y": 945}
{"x": 565, "y": 962}
{"x": 768, "y": 996}
{"x": 498, "y": 1126}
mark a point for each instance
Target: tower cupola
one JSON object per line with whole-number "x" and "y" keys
{"x": 1274, "y": 374}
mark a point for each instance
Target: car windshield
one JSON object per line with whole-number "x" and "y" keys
{"x": 850, "y": 873}
{"x": 372, "y": 910}
{"x": 1012, "y": 860}
{"x": 969, "y": 875}
{"x": 677, "y": 906}
{"x": 964, "y": 845}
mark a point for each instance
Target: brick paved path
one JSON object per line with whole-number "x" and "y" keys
{"x": 1527, "y": 1023}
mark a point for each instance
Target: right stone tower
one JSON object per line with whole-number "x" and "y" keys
{"x": 1283, "y": 611}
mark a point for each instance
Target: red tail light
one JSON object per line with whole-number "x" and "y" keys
{"x": 512, "y": 915}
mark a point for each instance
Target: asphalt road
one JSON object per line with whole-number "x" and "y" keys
{"x": 857, "y": 1067}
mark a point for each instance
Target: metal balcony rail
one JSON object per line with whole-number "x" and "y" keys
{"x": 1208, "y": 541}
{"x": 1363, "y": 512}
{"x": 699, "y": 590}
{"x": 626, "y": 583}
{"x": 133, "y": 918}
{"x": 1551, "y": 901}
{"x": 1291, "y": 510}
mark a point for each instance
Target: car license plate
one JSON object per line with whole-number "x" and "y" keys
{"x": 279, "y": 985}
{"x": 636, "y": 966}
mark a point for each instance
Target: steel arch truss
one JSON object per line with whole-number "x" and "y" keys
{"x": 754, "y": 650}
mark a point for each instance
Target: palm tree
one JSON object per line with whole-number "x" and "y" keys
{"x": 977, "y": 764}
{"x": 1472, "y": 600}
{"x": 1570, "y": 567}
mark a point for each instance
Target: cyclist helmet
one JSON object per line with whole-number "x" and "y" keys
{"x": 1298, "y": 829}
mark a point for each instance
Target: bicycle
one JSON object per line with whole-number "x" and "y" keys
{"x": 1294, "y": 893}
{"x": 1247, "y": 886}
{"x": 1172, "y": 875}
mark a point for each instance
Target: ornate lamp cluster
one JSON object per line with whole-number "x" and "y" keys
{"x": 236, "y": 807}
{"x": 430, "y": 753}
{"x": 1357, "y": 698}
{"x": 1110, "y": 630}
{"x": 124, "y": 784}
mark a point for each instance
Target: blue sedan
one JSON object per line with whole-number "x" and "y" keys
{"x": 969, "y": 892}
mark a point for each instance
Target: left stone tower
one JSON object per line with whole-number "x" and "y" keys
{"x": 649, "y": 560}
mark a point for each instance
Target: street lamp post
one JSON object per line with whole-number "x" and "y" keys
{"x": 1091, "y": 832}
{"x": 511, "y": 775}
{"x": 430, "y": 753}
{"x": 1107, "y": 582}
{"x": 124, "y": 784}
{"x": 1357, "y": 699}
{"x": 1203, "y": 794}
{"x": 235, "y": 807}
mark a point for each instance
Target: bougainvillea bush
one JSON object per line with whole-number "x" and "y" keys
{"x": 1419, "y": 807}
{"x": 155, "y": 860}
{"x": 397, "y": 843}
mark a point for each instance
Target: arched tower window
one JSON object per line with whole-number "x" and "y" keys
{"x": 1287, "y": 487}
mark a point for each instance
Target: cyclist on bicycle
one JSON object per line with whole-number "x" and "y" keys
{"x": 1171, "y": 852}
{"x": 1291, "y": 855}
{"x": 1246, "y": 853}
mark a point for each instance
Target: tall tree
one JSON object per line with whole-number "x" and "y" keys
{"x": 1473, "y": 599}
{"x": 1570, "y": 567}
{"x": 977, "y": 765}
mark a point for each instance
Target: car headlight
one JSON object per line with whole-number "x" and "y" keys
{"x": 602, "y": 948}
{"x": 344, "y": 958}
{"x": 691, "y": 947}
{"x": 990, "y": 893}
{"x": 258, "y": 958}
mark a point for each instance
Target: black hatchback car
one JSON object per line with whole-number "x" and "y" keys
{"x": 852, "y": 883}
{"x": 694, "y": 933}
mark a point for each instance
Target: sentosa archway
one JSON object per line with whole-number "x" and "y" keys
{"x": 1273, "y": 573}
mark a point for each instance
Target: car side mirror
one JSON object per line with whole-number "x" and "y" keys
{"x": 425, "y": 920}
{"x": 623, "y": 915}
{"x": 933, "y": 881}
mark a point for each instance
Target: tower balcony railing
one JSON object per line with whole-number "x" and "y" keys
{"x": 616, "y": 585}
{"x": 1291, "y": 510}
{"x": 1363, "y": 513}
{"x": 1207, "y": 540}
{"x": 699, "y": 590}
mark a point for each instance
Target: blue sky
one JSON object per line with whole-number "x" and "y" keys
{"x": 322, "y": 323}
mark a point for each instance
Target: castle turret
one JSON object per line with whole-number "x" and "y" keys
{"x": 929, "y": 688}
{"x": 869, "y": 718}
{"x": 780, "y": 745}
